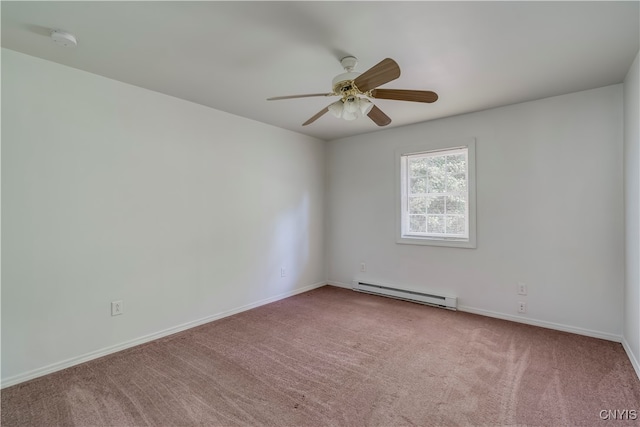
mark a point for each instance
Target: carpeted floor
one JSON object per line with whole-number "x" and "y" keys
{"x": 334, "y": 357}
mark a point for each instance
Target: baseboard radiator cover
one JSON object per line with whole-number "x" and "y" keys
{"x": 443, "y": 301}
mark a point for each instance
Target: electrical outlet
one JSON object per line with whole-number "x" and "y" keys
{"x": 522, "y": 307}
{"x": 363, "y": 267}
{"x": 522, "y": 288}
{"x": 117, "y": 308}
{"x": 283, "y": 272}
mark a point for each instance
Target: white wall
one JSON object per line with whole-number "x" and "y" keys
{"x": 186, "y": 213}
{"x": 549, "y": 212}
{"x": 632, "y": 214}
{"x": 110, "y": 192}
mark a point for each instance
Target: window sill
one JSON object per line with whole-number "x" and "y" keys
{"x": 423, "y": 241}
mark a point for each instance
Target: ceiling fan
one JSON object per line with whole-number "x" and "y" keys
{"x": 355, "y": 89}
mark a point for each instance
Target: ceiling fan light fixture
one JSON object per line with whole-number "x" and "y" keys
{"x": 352, "y": 105}
{"x": 350, "y": 108}
{"x": 348, "y": 115}
{"x": 365, "y": 106}
{"x": 336, "y": 108}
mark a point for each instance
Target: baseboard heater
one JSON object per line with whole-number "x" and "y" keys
{"x": 447, "y": 302}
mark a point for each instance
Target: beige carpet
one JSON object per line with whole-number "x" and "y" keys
{"x": 334, "y": 357}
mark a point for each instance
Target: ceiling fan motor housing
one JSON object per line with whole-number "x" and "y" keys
{"x": 341, "y": 79}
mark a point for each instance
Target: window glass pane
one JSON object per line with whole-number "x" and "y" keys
{"x": 456, "y": 205}
{"x": 418, "y": 186}
{"x": 456, "y": 183}
{"x": 435, "y": 205}
{"x": 456, "y": 179}
{"x": 456, "y": 164}
{"x": 417, "y": 224}
{"x": 436, "y": 174}
{"x": 417, "y": 166}
{"x": 417, "y": 205}
{"x": 455, "y": 224}
{"x": 435, "y": 224}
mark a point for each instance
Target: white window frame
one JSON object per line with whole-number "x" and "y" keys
{"x": 402, "y": 201}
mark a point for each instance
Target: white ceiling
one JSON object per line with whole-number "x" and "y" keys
{"x": 233, "y": 55}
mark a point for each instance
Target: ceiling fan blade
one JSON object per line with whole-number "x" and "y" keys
{"x": 380, "y": 118}
{"x": 381, "y": 73}
{"x": 275, "y": 98}
{"x": 405, "y": 95}
{"x": 316, "y": 117}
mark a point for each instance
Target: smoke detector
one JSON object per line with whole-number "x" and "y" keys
{"x": 63, "y": 38}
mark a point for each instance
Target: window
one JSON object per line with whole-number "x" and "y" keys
{"x": 437, "y": 195}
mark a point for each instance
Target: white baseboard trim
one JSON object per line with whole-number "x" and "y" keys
{"x": 58, "y": 366}
{"x": 533, "y": 322}
{"x": 632, "y": 357}
{"x": 542, "y": 324}
{"x": 340, "y": 284}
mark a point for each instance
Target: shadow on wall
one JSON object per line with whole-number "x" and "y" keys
{"x": 289, "y": 252}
